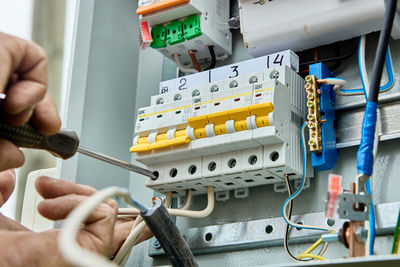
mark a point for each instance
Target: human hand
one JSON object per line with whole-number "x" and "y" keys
{"x": 23, "y": 79}
{"x": 102, "y": 231}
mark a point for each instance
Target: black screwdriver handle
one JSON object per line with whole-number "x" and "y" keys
{"x": 63, "y": 144}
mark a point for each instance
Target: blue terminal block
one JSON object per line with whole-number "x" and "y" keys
{"x": 325, "y": 160}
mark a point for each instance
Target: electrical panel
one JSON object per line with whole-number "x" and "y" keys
{"x": 182, "y": 25}
{"x": 232, "y": 133}
{"x": 269, "y": 26}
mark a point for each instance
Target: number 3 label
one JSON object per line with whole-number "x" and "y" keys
{"x": 235, "y": 72}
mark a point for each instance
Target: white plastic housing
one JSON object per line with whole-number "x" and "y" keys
{"x": 299, "y": 25}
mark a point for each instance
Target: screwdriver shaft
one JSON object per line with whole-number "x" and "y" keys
{"x": 116, "y": 162}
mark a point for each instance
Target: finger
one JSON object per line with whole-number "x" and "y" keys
{"x": 7, "y": 185}
{"x": 51, "y": 188}
{"x": 121, "y": 232}
{"x": 10, "y": 155}
{"x": 23, "y": 95}
{"x": 21, "y": 118}
{"x": 59, "y": 208}
{"x": 45, "y": 116}
{"x": 25, "y": 58}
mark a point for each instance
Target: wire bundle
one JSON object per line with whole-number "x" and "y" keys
{"x": 73, "y": 253}
{"x": 286, "y": 217}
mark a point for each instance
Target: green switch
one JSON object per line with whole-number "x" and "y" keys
{"x": 158, "y": 35}
{"x": 175, "y": 32}
{"x": 191, "y": 27}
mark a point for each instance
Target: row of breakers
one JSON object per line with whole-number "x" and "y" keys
{"x": 237, "y": 136}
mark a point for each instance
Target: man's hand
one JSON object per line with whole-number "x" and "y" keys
{"x": 102, "y": 231}
{"x": 23, "y": 79}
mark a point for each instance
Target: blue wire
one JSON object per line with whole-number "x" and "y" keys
{"x": 139, "y": 205}
{"x": 389, "y": 70}
{"x": 300, "y": 187}
{"x": 372, "y": 232}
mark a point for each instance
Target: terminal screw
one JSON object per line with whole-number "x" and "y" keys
{"x": 310, "y": 96}
{"x": 308, "y": 87}
{"x": 310, "y": 118}
{"x": 308, "y": 79}
{"x": 311, "y": 143}
{"x": 310, "y": 104}
{"x": 311, "y": 125}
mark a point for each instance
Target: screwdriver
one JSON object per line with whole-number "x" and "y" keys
{"x": 63, "y": 144}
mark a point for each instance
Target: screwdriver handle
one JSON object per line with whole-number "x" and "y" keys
{"x": 63, "y": 144}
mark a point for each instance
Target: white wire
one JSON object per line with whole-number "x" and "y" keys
{"x": 181, "y": 67}
{"x": 67, "y": 243}
{"x": 183, "y": 213}
{"x": 188, "y": 200}
{"x": 124, "y": 252}
{"x": 363, "y": 65}
{"x": 337, "y": 84}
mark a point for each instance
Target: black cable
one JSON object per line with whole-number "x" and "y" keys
{"x": 286, "y": 245}
{"x": 213, "y": 58}
{"x": 381, "y": 51}
{"x": 171, "y": 240}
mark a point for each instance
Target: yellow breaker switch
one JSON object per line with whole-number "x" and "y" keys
{"x": 180, "y": 133}
{"x": 239, "y": 115}
{"x": 161, "y": 137}
{"x": 199, "y": 124}
{"x": 139, "y": 148}
{"x": 219, "y": 119}
{"x": 143, "y": 140}
{"x": 162, "y": 142}
{"x": 261, "y": 112}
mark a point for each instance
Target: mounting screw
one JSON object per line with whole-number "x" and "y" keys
{"x": 361, "y": 233}
{"x": 274, "y": 74}
{"x": 156, "y": 244}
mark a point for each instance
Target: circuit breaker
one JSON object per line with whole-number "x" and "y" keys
{"x": 232, "y": 133}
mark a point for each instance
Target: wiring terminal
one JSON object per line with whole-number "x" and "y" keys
{"x": 321, "y": 102}
{"x": 314, "y": 115}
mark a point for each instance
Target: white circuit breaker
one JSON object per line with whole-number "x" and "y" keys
{"x": 177, "y": 26}
{"x": 232, "y": 133}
